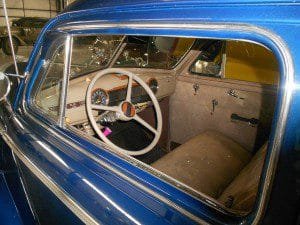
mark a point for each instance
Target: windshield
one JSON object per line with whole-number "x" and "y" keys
{"x": 93, "y": 53}
{"x": 153, "y": 52}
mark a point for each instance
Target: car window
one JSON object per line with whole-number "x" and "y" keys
{"x": 92, "y": 53}
{"x": 228, "y": 117}
{"x": 236, "y": 60}
{"x": 153, "y": 52}
{"x": 47, "y": 97}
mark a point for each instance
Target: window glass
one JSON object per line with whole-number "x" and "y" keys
{"x": 153, "y": 52}
{"x": 250, "y": 62}
{"x": 47, "y": 96}
{"x": 92, "y": 53}
{"x": 236, "y": 60}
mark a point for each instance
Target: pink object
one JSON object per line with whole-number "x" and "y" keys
{"x": 106, "y": 131}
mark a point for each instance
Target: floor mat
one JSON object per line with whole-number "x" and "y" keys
{"x": 132, "y": 136}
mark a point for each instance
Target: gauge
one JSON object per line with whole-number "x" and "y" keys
{"x": 100, "y": 97}
{"x": 153, "y": 84}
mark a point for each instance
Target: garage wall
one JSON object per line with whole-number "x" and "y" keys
{"x": 68, "y": 2}
{"x": 30, "y": 8}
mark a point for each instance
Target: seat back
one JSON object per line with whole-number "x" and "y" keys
{"x": 241, "y": 193}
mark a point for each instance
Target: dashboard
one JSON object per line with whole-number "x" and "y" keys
{"x": 115, "y": 96}
{"x": 111, "y": 90}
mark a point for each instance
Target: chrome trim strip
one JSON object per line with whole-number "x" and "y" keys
{"x": 77, "y": 209}
{"x": 21, "y": 179}
{"x": 4, "y": 97}
{"x": 288, "y": 77}
{"x": 65, "y": 82}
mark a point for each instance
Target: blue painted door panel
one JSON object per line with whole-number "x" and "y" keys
{"x": 48, "y": 208}
{"x": 107, "y": 196}
{"x": 8, "y": 211}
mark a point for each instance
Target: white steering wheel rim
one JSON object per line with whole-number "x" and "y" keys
{"x": 131, "y": 77}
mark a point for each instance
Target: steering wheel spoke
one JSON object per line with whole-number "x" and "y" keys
{"x": 129, "y": 89}
{"x": 145, "y": 124}
{"x": 105, "y": 108}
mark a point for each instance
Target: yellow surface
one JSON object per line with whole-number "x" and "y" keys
{"x": 250, "y": 62}
{"x": 182, "y": 45}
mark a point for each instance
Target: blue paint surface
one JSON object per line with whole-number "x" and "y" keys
{"x": 103, "y": 188}
{"x": 8, "y": 211}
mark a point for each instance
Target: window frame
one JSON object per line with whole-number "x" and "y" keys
{"x": 282, "y": 53}
{"x": 170, "y": 180}
{"x": 40, "y": 64}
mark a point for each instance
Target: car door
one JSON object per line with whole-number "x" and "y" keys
{"x": 95, "y": 184}
{"x": 69, "y": 179}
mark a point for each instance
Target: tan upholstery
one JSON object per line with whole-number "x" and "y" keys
{"x": 241, "y": 193}
{"x": 218, "y": 167}
{"x": 190, "y": 114}
{"x": 207, "y": 162}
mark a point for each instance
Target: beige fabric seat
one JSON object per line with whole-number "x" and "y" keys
{"x": 216, "y": 166}
{"x": 241, "y": 193}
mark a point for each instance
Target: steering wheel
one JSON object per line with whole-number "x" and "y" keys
{"x": 125, "y": 111}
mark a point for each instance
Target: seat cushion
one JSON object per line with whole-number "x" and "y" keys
{"x": 208, "y": 162}
{"x": 241, "y": 193}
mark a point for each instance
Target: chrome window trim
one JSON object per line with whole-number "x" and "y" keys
{"x": 19, "y": 170}
{"x": 287, "y": 75}
{"x": 65, "y": 82}
{"x": 33, "y": 104}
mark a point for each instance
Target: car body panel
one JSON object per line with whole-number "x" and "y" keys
{"x": 115, "y": 191}
{"x": 10, "y": 214}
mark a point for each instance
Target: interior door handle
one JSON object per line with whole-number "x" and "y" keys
{"x": 251, "y": 121}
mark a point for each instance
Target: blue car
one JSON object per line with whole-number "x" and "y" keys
{"x": 155, "y": 112}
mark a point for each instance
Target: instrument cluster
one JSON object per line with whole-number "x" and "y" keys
{"x": 112, "y": 97}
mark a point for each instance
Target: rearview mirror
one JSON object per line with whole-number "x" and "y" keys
{"x": 4, "y": 86}
{"x": 207, "y": 68}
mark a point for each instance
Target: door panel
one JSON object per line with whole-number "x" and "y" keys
{"x": 49, "y": 209}
{"x": 192, "y": 113}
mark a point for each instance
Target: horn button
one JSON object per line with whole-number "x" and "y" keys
{"x": 128, "y": 109}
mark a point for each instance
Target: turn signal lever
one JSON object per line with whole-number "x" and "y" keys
{"x": 109, "y": 117}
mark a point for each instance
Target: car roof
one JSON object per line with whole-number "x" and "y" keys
{"x": 94, "y": 4}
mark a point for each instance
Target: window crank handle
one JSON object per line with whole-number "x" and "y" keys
{"x": 214, "y": 104}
